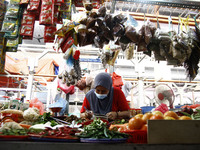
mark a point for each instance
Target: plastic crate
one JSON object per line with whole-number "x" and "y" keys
{"x": 137, "y": 136}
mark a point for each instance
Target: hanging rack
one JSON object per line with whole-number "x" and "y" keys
{"x": 170, "y": 3}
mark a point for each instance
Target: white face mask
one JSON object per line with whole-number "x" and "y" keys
{"x": 101, "y": 96}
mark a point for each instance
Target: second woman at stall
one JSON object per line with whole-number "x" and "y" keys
{"x": 105, "y": 99}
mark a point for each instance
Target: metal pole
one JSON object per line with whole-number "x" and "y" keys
{"x": 30, "y": 79}
{"x": 48, "y": 96}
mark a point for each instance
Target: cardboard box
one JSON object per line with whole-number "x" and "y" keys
{"x": 173, "y": 132}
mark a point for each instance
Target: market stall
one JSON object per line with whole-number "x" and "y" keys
{"x": 106, "y": 30}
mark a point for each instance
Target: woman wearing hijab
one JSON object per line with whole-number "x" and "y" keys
{"x": 105, "y": 99}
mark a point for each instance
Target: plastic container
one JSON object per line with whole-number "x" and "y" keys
{"x": 135, "y": 111}
{"x": 137, "y": 136}
{"x": 146, "y": 109}
{"x": 178, "y": 106}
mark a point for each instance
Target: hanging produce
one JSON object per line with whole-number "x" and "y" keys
{"x": 100, "y": 28}
{"x": 11, "y": 25}
{"x": 27, "y": 25}
{"x": 191, "y": 64}
{"x": 72, "y": 74}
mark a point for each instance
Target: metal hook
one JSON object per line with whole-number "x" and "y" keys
{"x": 198, "y": 14}
{"x": 170, "y": 12}
{"x": 138, "y": 7}
{"x": 183, "y": 12}
{"x": 188, "y": 13}
{"x": 174, "y": 10}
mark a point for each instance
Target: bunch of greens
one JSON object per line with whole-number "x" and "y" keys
{"x": 120, "y": 121}
{"x": 46, "y": 117}
{"x": 194, "y": 116}
{"x": 14, "y": 132}
{"x": 99, "y": 130}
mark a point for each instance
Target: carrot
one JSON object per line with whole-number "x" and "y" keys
{"x": 25, "y": 126}
{"x": 117, "y": 126}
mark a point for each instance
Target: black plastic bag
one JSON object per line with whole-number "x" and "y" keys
{"x": 82, "y": 38}
{"x": 124, "y": 39}
{"x": 118, "y": 30}
{"x": 102, "y": 11}
{"x": 109, "y": 21}
{"x": 90, "y": 22}
{"x": 93, "y": 14}
{"x": 83, "y": 21}
{"x": 132, "y": 34}
{"x": 108, "y": 34}
{"x": 120, "y": 18}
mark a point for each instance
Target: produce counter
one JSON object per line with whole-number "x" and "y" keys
{"x": 17, "y": 145}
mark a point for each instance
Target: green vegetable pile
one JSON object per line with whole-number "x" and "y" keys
{"x": 99, "y": 130}
{"x": 194, "y": 116}
{"x": 14, "y": 132}
{"x": 120, "y": 121}
{"x": 46, "y": 117}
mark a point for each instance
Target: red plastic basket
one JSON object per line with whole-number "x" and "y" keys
{"x": 137, "y": 136}
{"x": 15, "y": 117}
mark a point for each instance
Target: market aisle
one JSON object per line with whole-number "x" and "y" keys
{"x": 5, "y": 145}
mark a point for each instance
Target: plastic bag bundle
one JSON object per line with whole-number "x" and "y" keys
{"x": 129, "y": 52}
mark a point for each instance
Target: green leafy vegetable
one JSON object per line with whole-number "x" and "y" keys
{"x": 194, "y": 116}
{"x": 99, "y": 130}
{"x": 14, "y": 132}
{"x": 46, "y": 117}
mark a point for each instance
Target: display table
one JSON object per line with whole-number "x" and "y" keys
{"x": 15, "y": 145}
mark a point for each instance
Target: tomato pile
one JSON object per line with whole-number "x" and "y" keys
{"x": 139, "y": 121}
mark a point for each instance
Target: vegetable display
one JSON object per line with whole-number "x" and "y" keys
{"x": 13, "y": 132}
{"x": 45, "y": 118}
{"x": 99, "y": 130}
{"x": 193, "y": 116}
{"x": 62, "y": 132}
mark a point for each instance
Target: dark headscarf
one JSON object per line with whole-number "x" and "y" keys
{"x": 101, "y": 106}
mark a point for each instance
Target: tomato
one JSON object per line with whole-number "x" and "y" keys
{"x": 135, "y": 123}
{"x": 169, "y": 118}
{"x": 157, "y": 113}
{"x": 156, "y": 117}
{"x": 185, "y": 118}
{"x": 139, "y": 115}
{"x": 144, "y": 127}
{"x": 171, "y": 114}
{"x": 146, "y": 117}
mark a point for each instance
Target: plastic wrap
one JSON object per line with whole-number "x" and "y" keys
{"x": 47, "y": 13}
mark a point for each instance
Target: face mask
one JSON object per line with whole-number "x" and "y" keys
{"x": 101, "y": 96}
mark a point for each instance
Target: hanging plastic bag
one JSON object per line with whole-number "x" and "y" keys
{"x": 129, "y": 52}
{"x": 112, "y": 61}
{"x": 38, "y": 104}
{"x": 65, "y": 88}
{"x": 117, "y": 80}
{"x": 131, "y": 21}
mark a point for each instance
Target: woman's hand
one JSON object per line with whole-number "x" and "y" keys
{"x": 112, "y": 115}
{"x": 120, "y": 114}
{"x": 87, "y": 115}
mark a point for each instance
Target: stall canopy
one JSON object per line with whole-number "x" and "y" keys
{"x": 46, "y": 68}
